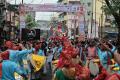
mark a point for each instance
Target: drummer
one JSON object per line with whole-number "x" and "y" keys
{"x": 15, "y": 55}
{"x": 104, "y": 75}
{"x": 65, "y": 69}
{"x": 65, "y": 73}
{"x": 104, "y": 54}
{"x": 69, "y": 65}
{"x": 8, "y": 68}
{"x": 92, "y": 53}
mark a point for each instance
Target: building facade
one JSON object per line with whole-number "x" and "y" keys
{"x": 44, "y": 27}
{"x": 94, "y": 17}
{"x": 2, "y": 12}
{"x": 71, "y": 20}
{"x": 88, "y": 22}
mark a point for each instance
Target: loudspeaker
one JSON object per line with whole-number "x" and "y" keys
{"x": 1, "y": 30}
{"x": 37, "y": 36}
{"x": 24, "y": 34}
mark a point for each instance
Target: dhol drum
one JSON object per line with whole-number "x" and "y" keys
{"x": 93, "y": 67}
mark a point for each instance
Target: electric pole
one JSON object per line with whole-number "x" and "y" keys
{"x": 22, "y": 1}
{"x": 95, "y": 18}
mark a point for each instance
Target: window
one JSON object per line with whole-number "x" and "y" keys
{"x": 89, "y": 12}
{"x": 89, "y": 4}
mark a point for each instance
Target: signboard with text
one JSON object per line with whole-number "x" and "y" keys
{"x": 53, "y": 8}
{"x": 22, "y": 16}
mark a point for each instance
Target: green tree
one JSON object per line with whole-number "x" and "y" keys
{"x": 113, "y": 7}
{"x": 114, "y": 4}
{"x": 30, "y": 22}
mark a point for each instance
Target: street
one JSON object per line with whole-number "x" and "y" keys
{"x": 59, "y": 40}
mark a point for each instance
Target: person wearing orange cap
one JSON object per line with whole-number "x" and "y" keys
{"x": 67, "y": 72}
{"x": 17, "y": 56}
{"x": 8, "y": 68}
{"x": 92, "y": 52}
{"x": 114, "y": 77}
{"x": 104, "y": 75}
{"x": 72, "y": 70}
{"x": 70, "y": 66}
{"x": 9, "y": 44}
{"x": 105, "y": 53}
{"x": 65, "y": 69}
{"x": 82, "y": 71}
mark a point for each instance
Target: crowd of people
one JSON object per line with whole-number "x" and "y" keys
{"x": 61, "y": 58}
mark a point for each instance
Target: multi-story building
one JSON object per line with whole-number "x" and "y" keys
{"x": 44, "y": 27}
{"x": 11, "y": 19}
{"x": 94, "y": 17}
{"x": 99, "y": 16}
{"x": 63, "y": 16}
{"x": 2, "y": 12}
{"x": 90, "y": 20}
{"x": 71, "y": 20}
{"x": 88, "y": 15}
{"x": 104, "y": 20}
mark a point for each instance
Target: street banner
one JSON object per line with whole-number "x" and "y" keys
{"x": 22, "y": 18}
{"x": 81, "y": 28}
{"x": 53, "y": 8}
{"x": 22, "y": 21}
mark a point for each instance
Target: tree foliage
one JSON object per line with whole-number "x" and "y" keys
{"x": 115, "y": 5}
{"x": 30, "y": 22}
{"x": 114, "y": 8}
{"x": 14, "y": 8}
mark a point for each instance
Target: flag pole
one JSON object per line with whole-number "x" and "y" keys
{"x": 22, "y": 1}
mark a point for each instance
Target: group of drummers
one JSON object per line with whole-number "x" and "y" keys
{"x": 92, "y": 59}
{"x": 61, "y": 58}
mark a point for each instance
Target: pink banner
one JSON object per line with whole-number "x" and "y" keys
{"x": 53, "y": 8}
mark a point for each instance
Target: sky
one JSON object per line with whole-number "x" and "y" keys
{"x": 39, "y": 15}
